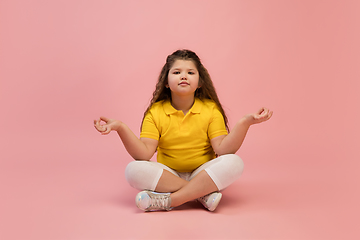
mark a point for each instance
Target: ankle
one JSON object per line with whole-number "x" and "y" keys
{"x": 175, "y": 200}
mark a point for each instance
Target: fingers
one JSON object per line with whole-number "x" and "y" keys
{"x": 97, "y": 124}
{"x": 267, "y": 114}
{"x": 104, "y": 119}
{"x": 263, "y": 111}
{"x": 106, "y": 127}
{"x": 99, "y": 127}
{"x": 263, "y": 114}
{"x": 106, "y": 131}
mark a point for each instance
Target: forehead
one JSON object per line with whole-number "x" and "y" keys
{"x": 183, "y": 64}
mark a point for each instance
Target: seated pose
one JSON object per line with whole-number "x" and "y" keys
{"x": 187, "y": 126}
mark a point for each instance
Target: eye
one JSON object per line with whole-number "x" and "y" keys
{"x": 176, "y": 72}
{"x": 191, "y": 73}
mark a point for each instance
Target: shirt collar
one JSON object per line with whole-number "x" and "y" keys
{"x": 169, "y": 109}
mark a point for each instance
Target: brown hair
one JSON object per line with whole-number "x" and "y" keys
{"x": 206, "y": 91}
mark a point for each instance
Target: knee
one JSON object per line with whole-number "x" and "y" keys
{"x": 142, "y": 175}
{"x": 235, "y": 162}
{"x": 226, "y": 170}
{"x": 130, "y": 167}
{"x": 132, "y": 171}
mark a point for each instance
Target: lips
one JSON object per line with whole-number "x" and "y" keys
{"x": 184, "y": 83}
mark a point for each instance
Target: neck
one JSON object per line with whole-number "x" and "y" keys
{"x": 183, "y": 103}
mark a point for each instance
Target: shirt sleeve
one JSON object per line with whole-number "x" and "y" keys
{"x": 217, "y": 125}
{"x": 149, "y": 128}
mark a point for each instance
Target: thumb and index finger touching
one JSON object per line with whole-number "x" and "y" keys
{"x": 97, "y": 121}
{"x": 264, "y": 113}
{"x": 105, "y": 119}
{"x": 100, "y": 127}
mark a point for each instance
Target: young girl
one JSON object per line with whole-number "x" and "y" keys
{"x": 187, "y": 126}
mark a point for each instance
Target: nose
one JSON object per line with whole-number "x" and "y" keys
{"x": 183, "y": 76}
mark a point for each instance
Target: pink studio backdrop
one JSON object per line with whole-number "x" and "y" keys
{"x": 65, "y": 63}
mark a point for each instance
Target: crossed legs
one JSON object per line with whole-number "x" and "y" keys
{"x": 183, "y": 191}
{"x": 212, "y": 176}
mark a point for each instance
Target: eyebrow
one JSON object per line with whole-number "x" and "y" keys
{"x": 181, "y": 69}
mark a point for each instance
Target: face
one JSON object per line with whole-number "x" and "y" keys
{"x": 183, "y": 78}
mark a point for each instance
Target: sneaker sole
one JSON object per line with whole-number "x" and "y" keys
{"x": 216, "y": 202}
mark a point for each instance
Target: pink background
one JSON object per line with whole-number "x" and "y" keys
{"x": 65, "y": 63}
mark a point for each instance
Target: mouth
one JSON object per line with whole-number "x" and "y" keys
{"x": 183, "y": 83}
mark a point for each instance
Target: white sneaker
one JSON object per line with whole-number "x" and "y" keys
{"x": 153, "y": 201}
{"x": 211, "y": 201}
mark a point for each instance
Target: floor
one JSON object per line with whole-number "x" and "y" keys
{"x": 74, "y": 188}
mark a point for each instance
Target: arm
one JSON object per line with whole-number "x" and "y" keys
{"x": 229, "y": 144}
{"x": 139, "y": 149}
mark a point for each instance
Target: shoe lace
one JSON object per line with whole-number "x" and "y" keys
{"x": 160, "y": 201}
{"x": 203, "y": 198}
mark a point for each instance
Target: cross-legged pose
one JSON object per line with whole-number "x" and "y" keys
{"x": 187, "y": 126}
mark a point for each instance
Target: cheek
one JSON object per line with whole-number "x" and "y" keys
{"x": 172, "y": 81}
{"x": 199, "y": 82}
{"x": 169, "y": 80}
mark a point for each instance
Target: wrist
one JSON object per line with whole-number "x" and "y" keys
{"x": 119, "y": 126}
{"x": 246, "y": 120}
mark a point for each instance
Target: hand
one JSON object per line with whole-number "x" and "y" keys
{"x": 110, "y": 124}
{"x": 260, "y": 116}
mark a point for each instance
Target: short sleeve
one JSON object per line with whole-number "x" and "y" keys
{"x": 217, "y": 125}
{"x": 149, "y": 128}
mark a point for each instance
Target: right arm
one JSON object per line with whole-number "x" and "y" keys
{"x": 139, "y": 149}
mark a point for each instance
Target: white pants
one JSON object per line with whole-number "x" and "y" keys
{"x": 223, "y": 170}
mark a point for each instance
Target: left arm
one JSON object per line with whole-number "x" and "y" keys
{"x": 229, "y": 144}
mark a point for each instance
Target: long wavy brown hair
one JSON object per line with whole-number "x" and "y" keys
{"x": 206, "y": 91}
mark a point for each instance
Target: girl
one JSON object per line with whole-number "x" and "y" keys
{"x": 186, "y": 124}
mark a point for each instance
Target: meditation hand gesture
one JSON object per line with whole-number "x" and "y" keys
{"x": 110, "y": 124}
{"x": 260, "y": 116}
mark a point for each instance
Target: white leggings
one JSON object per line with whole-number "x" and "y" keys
{"x": 223, "y": 170}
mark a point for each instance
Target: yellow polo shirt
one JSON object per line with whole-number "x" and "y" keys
{"x": 184, "y": 141}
